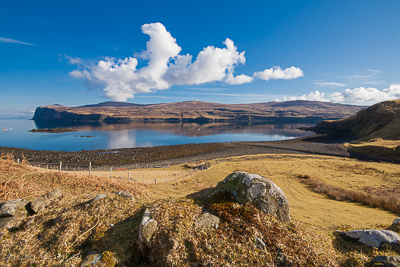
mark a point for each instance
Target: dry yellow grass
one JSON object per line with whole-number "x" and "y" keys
{"x": 306, "y": 206}
{"x": 116, "y": 220}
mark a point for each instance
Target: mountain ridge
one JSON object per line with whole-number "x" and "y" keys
{"x": 197, "y": 111}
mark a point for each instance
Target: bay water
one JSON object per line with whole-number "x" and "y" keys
{"x": 15, "y": 133}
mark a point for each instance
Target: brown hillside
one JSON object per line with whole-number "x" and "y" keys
{"x": 193, "y": 111}
{"x": 381, "y": 120}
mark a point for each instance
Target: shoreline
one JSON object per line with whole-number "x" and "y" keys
{"x": 141, "y": 157}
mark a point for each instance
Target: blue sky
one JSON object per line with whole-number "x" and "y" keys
{"x": 80, "y": 52}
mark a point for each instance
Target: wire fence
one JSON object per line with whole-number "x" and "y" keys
{"x": 122, "y": 171}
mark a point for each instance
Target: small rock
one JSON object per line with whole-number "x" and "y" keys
{"x": 97, "y": 198}
{"x": 125, "y": 194}
{"x": 7, "y": 210}
{"x": 374, "y": 238}
{"x": 259, "y": 243}
{"x": 206, "y": 220}
{"x": 396, "y": 221}
{"x": 13, "y": 207}
{"x": 147, "y": 228}
{"x": 91, "y": 260}
{"x": 7, "y": 223}
{"x": 106, "y": 259}
{"x": 54, "y": 195}
{"x": 39, "y": 204}
{"x": 42, "y": 202}
{"x": 384, "y": 261}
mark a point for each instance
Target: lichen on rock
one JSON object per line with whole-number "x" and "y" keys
{"x": 258, "y": 190}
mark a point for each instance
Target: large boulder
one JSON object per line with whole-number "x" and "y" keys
{"x": 258, "y": 190}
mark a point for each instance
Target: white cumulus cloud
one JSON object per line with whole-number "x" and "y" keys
{"x": 358, "y": 95}
{"x": 366, "y": 95}
{"x": 121, "y": 79}
{"x": 277, "y": 73}
{"x": 313, "y": 96}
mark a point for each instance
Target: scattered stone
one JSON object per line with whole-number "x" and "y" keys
{"x": 125, "y": 194}
{"x": 206, "y": 220}
{"x": 395, "y": 226}
{"x": 91, "y": 260}
{"x": 54, "y": 195}
{"x": 7, "y": 223}
{"x": 374, "y": 238}
{"x": 259, "y": 243}
{"x": 29, "y": 222}
{"x": 106, "y": 259}
{"x": 14, "y": 207}
{"x": 384, "y": 261}
{"x": 147, "y": 228}
{"x": 97, "y": 198}
{"x": 258, "y": 190}
{"x": 39, "y": 204}
{"x": 7, "y": 210}
{"x": 42, "y": 202}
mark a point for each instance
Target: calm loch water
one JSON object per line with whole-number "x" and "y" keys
{"x": 15, "y": 133}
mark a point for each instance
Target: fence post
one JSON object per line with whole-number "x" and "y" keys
{"x": 17, "y": 161}
{"x": 60, "y": 165}
{"x": 128, "y": 177}
{"x": 155, "y": 181}
{"x": 110, "y": 172}
{"x": 90, "y": 168}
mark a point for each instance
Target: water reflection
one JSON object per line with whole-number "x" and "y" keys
{"x": 105, "y": 136}
{"x": 123, "y": 138}
{"x": 195, "y": 129}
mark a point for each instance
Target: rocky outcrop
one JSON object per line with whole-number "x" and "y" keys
{"x": 258, "y": 190}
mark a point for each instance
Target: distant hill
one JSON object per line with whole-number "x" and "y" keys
{"x": 113, "y": 104}
{"x": 381, "y": 120}
{"x": 197, "y": 111}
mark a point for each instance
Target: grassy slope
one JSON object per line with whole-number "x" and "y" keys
{"x": 73, "y": 234}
